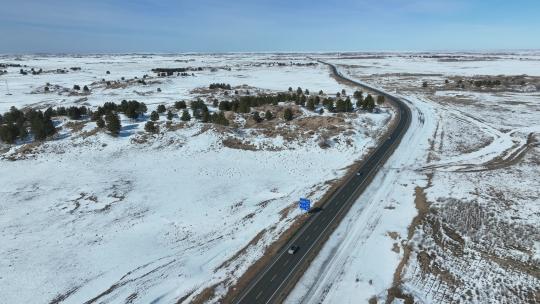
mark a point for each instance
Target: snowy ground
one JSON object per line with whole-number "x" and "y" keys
{"x": 454, "y": 215}
{"x": 87, "y": 217}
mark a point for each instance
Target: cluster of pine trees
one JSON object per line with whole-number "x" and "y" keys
{"x": 344, "y": 105}
{"x": 243, "y": 104}
{"x": 132, "y": 109}
{"x": 367, "y": 103}
{"x": 16, "y": 124}
{"x": 224, "y": 86}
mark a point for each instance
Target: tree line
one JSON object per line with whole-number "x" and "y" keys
{"x": 224, "y": 86}
{"x": 16, "y": 124}
{"x": 243, "y": 104}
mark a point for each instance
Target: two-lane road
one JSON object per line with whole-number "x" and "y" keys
{"x": 275, "y": 281}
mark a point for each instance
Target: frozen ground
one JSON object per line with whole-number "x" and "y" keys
{"x": 89, "y": 218}
{"x": 252, "y": 70}
{"x": 454, "y": 215}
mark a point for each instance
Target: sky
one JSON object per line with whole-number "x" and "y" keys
{"x": 168, "y": 26}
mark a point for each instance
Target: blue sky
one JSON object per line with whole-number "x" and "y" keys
{"x": 53, "y": 26}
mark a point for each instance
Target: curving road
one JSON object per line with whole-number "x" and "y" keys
{"x": 274, "y": 282}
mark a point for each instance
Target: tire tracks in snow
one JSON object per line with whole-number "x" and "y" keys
{"x": 503, "y": 151}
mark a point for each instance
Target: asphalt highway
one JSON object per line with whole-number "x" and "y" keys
{"x": 275, "y": 281}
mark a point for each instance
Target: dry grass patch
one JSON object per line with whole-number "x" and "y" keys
{"x": 75, "y": 126}
{"x": 235, "y": 143}
{"x": 422, "y": 206}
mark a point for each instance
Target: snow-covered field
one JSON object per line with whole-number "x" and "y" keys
{"x": 452, "y": 217}
{"x": 463, "y": 190}
{"x": 91, "y": 218}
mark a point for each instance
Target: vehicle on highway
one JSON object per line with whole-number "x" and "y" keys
{"x": 359, "y": 173}
{"x": 293, "y": 249}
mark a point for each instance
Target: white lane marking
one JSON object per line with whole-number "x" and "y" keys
{"x": 286, "y": 262}
{"x": 258, "y": 295}
{"x": 273, "y": 277}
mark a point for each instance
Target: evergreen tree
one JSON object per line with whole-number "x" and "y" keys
{"x": 74, "y": 113}
{"x": 348, "y": 105}
{"x": 299, "y": 91}
{"x": 61, "y": 111}
{"x": 161, "y": 108}
{"x": 113, "y": 123}
{"x": 40, "y": 126}
{"x": 224, "y": 106}
{"x": 329, "y": 104}
{"x": 205, "y": 115}
{"x": 47, "y": 114}
{"x": 220, "y": 119}
{"x": 86, "y": 89}
{"x": 306, "y": 92}
{"x": 132, "y": 109}
{"x": 310, "y": 104}
{"x": 131, "y": 112}
{"x": 288, "y": 114}
{"x": 343, "y": 105}
{"x": 303, "y": 100}
{"x": 380, "y": 99}
{"x": 185, "y": 116}
{"x": 100, "y": 122}
{"x": 358, "y": 95}
{"x": 21, "y": 131}
{"x": 8, "y": 133}
{"x": 154, "y": 116}
{"x": 244, "y": 106}
{"x": 151, "y": 127}
{"x": 197, "y": 114}
{"x": 369, "y": 103}
{"x": 180, "y": 105}
{"x": 268, "y": 115}
{"x": 170, "y": 115}
{"x": 321, "y": 92}
{"x": 290, "y": 89}
{"x": 197, "y": 104}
